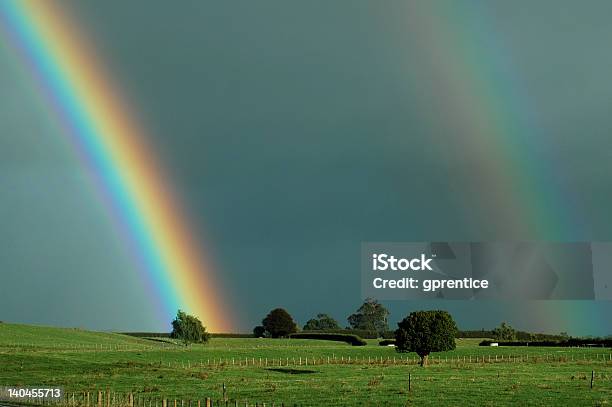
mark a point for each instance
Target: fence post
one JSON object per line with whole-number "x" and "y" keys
{"x": 131, "y": 400}
{"x": 409, "y": 382}
{"x": 592, "y": 377}
{"x": 99, "y": 398}
{"x": 208, "y": 402}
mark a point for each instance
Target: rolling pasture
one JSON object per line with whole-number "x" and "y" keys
{"x": 302, "y": 372}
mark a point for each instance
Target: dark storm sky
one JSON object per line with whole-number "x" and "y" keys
{"x": 293, "y": 131}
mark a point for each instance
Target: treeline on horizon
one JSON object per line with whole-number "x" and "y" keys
{"x": 521, "y": 336}
{"x": 370, "y": 321}
{"x": 563, "y": 343}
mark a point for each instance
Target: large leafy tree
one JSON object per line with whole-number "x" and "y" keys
{"x": 371, "y": 316}
{"x": 188, "y": 328}
{"x": 259, "y": 331}
{"x": 504, "y": 332}
{"x": 424, "y": 332}
{"x": 278, "y": 323}
{"x": 321, "y": 322}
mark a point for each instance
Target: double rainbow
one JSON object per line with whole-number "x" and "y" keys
{"x": 112, "y": 145}
{"x": 481, "y": 98}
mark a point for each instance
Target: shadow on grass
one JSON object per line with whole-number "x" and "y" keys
{"x": 292, "y": 371}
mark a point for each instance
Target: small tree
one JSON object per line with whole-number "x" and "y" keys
{"x": 259, "y": 331}
{"x": 424, "y": 332}
{"x": 188, "y": 328}
{"x": 278, "y": 323}
{"x": 504, "y": 332}
{"x": 321, "y": 322}
{"x": 371, "y": 316}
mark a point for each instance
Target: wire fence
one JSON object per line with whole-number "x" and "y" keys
{"x": 108, "y": 398}
{"x": 388, "y": 360}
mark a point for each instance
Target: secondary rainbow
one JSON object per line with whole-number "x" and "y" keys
{"x": 112, "y": 144}
{"x": 485, "y": 107}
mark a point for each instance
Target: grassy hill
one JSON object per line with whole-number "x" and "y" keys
{"x": 18, "y": 335}
{"x": 306, "y": 372}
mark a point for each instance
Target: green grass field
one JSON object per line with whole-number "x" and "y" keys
{"x": 303, "y": 372}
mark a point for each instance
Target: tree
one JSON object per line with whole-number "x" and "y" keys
{"x": 424, "y": 332}
{"x": 371, "y": 316}
{"x": 188, "y": 328}
{"x": 259, "y": 331}
{"x": 504, "y": 332}
{"x": 321, "y": 322}
{"x": 278, "y": 323}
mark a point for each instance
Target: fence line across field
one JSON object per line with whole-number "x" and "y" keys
{"x": 339, "y": 360}
{"x": 92, "y": 347}
{"x": 395, "y": 360}
{"x": 109, "y": 398}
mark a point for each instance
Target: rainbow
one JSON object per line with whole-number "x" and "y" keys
{"x": 485, "y": 112}
{"x": 113, "y": 146}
